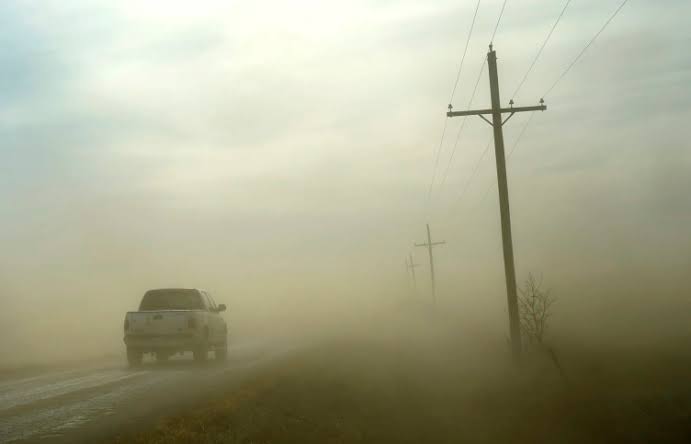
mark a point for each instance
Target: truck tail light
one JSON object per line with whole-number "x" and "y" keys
{"x": 127, "y": 324}
{"x": 191, "y": 323}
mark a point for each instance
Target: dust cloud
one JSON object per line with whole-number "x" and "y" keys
{"x": 286, "y": 172}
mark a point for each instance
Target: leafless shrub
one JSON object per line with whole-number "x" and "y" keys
{"x": 534, "y": 305}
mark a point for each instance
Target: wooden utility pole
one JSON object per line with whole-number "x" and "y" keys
{"x": 411, "y": 267}
{"x": 429, "y": 246}
{"x": 497, "y": 123}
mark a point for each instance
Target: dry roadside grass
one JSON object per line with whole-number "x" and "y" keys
{"x": 436, "y": 390}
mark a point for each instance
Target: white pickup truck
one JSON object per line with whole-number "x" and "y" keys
{"x": 175, "y": 320}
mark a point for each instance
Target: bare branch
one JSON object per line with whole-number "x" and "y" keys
{"x": 534, "y": 306}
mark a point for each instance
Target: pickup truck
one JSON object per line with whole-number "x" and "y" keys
{"x": 175, "y": 320}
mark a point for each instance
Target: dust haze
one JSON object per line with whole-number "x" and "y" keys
{"x": 281, "y": 161}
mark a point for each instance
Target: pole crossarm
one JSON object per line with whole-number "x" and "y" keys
{"x": 433, "y": 244}
{"x": 480, "y": 112}
{"x": 429, "y": 244}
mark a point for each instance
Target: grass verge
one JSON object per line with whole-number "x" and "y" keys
{"x": 422, "y": 391}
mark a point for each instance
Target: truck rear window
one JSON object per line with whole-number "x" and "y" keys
{"x": 171, "y": 299}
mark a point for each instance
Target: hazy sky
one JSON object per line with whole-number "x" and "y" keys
{"x": 235, "y": 145}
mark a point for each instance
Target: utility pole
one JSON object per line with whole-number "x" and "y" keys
{"x": 411, "y": 267}
{"x": 497, "y": 123}
{"x": 429, "y": 246}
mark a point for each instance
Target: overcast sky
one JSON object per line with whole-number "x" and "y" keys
{"x": 153, "y": 141}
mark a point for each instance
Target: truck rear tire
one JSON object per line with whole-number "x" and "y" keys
{"x": 221, "y": 352}
{"x": 201, "y": 353}
{"x": 134, "y": 357}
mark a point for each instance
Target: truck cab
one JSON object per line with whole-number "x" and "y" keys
{"x": 176, "y": 320}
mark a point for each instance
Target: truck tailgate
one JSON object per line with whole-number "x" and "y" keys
{"x": 156, "y": 323}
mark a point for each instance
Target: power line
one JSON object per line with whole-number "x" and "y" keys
{"x": 436, "y": 162}
{"x": 501, "y": 13}
{"x": 542, "y": 47}
{"x": 580, "y": 54}
{"x": 460, "y": 129}
{"x": 475, "y": 169}
{"x": 529, "y": 120}
{"x": 470, "y": 102}
{"x": 520, "y": 135}
{"x": 563, "y": 74}
{"x": 465, "y": 51}
{"x": 518, "y": 88}
{"x": 453, "y": 92}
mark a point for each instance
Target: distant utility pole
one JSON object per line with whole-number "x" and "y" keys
{"x": 429, "y": 246}
{"x": 497, "y": 123}
{"x": 410, "y": 264}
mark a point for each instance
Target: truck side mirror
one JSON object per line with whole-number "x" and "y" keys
{"x": 221, "y": 307}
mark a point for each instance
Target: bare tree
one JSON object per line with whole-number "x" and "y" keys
{"x": 534, "y": 304}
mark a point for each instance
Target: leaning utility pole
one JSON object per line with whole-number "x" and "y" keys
{"x": 429, "y": 246}
{"x": 496, "y": 111}
{"x": 411, "y": 267}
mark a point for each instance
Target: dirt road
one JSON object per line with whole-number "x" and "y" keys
{"x": 95, "y": 401}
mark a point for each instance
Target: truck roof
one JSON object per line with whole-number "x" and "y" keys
{"x": 175, "y": 288}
